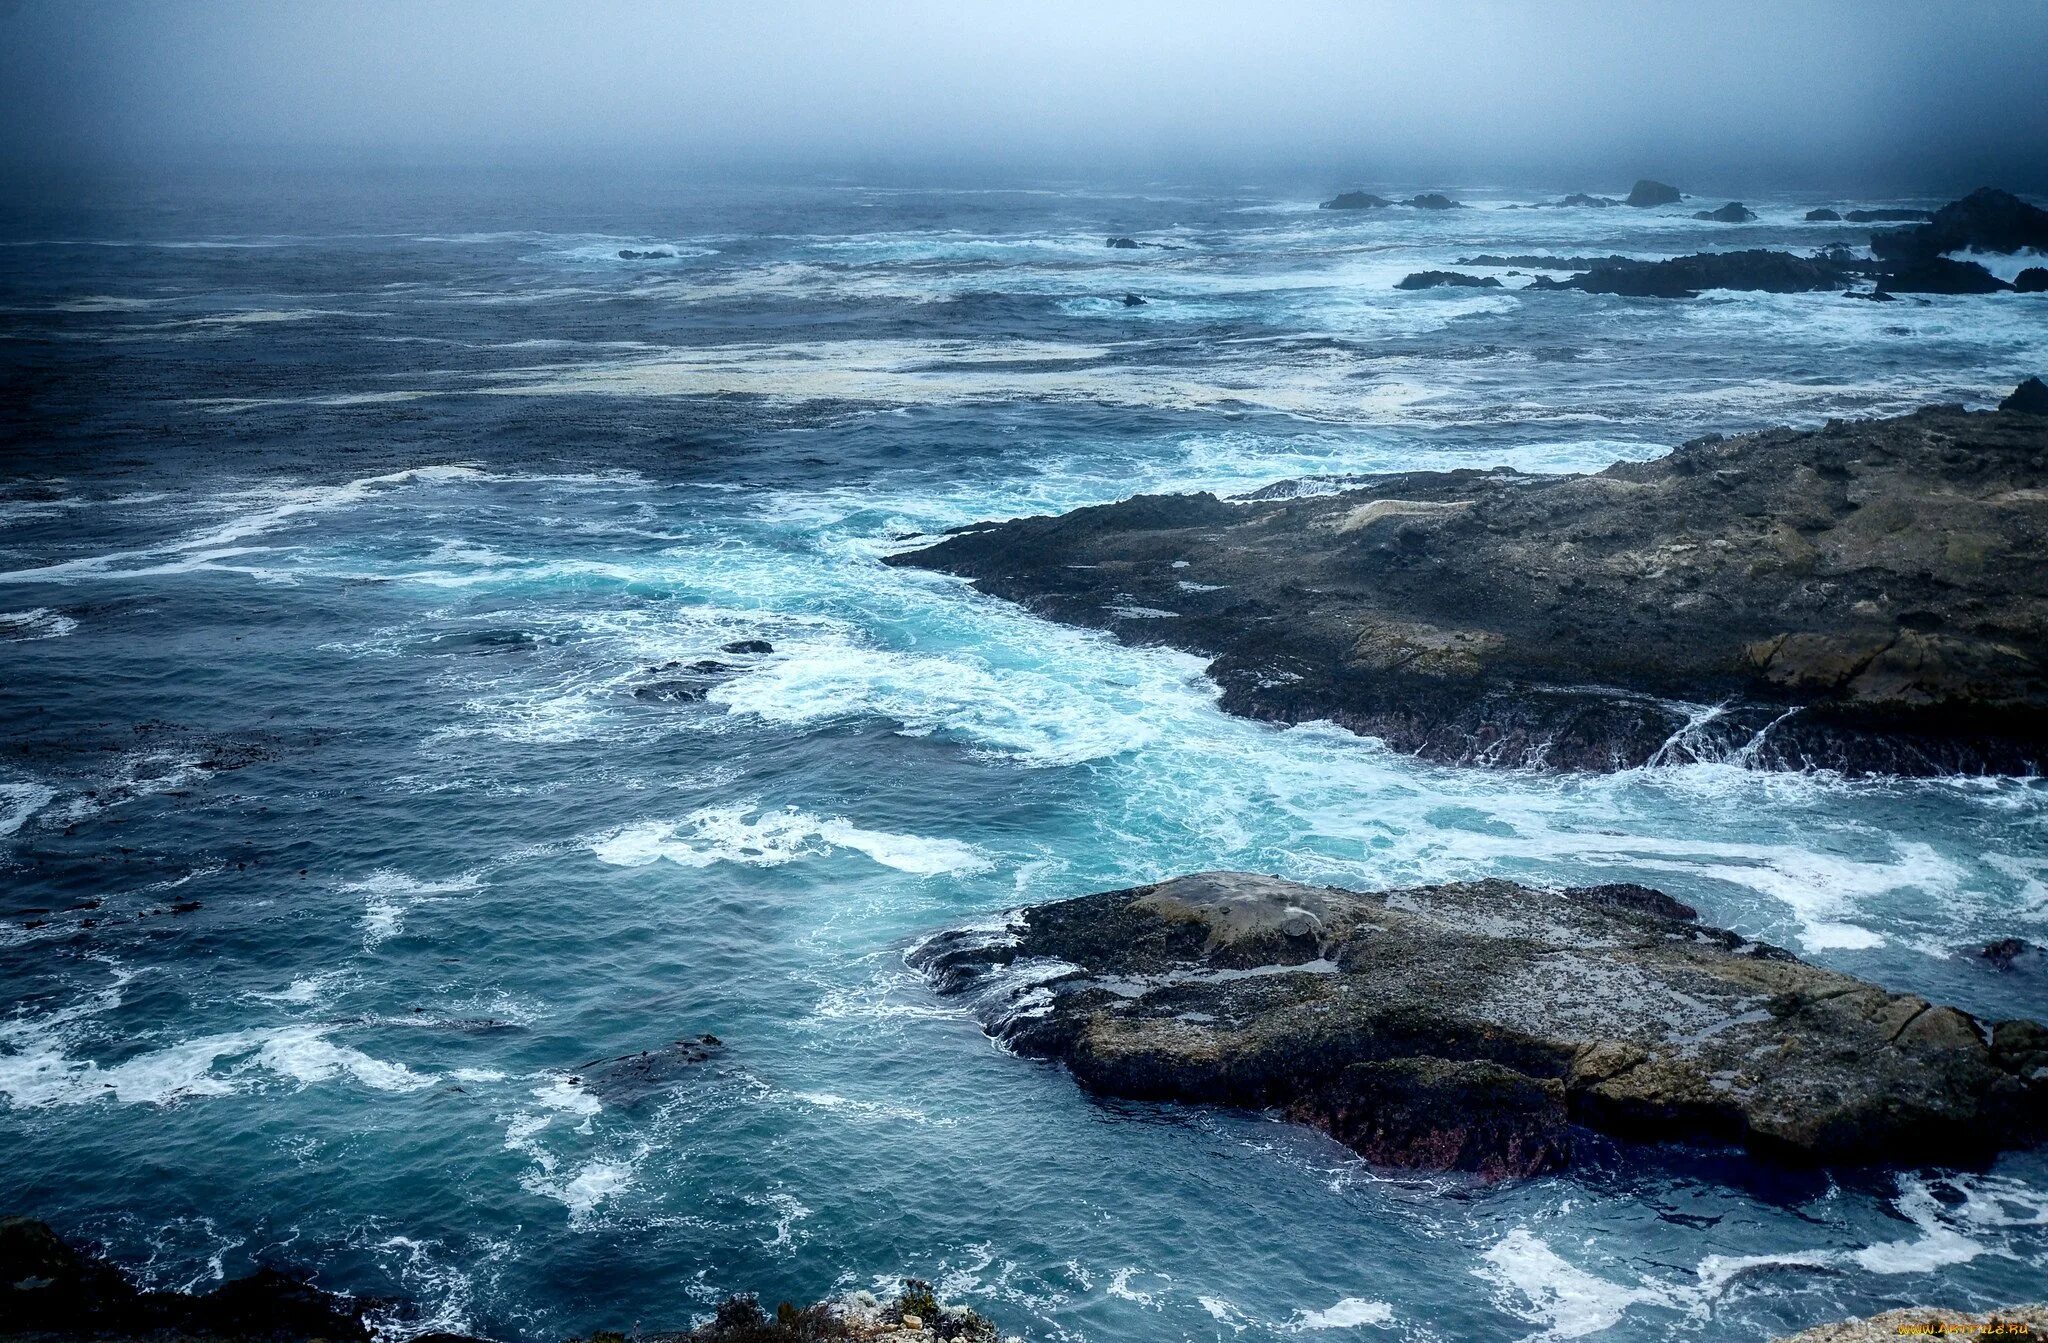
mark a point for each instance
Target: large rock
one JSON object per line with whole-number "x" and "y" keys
{"x": 1685, "y": 276}
{"x": 1822, "y": 216}
{"x": 1474, "y": 1026}
{"x": 1647, "y": 193}
{"x": 1433, "y": 201}
{"x": 1986, "y": 220}
{"x": 1886, "y": 216}
{"x": 1435, "y": 279}
{"x": 2029, "y": 398}
{"x": 1866, "y": 596}
{"x": 49, "y": 1289}
{"x": 2032, "y": 280}
{"x": 1356, "y": 200}
{"x": 1734, "y": 212}
{"x": 1941, "y": 275}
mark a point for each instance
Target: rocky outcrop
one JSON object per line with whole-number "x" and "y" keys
{"x": 1941, "y": 275}
{"x": 1530, "y": 262}
{"x": 1986, "y": 220}
{"x": 48, "y": 1289}
{"x": 1433, "y": 201}
{"x": 1122, "y": 244}
{"x": 1436, "y": 279}
{"x": 1685, "y": 276}
{"x": 2013, "y": 1324}
{"x": 915, "y": 1316}
{"x": 1482, "y": 1025}
{"x": 1822, "y": 216}
{"x": 1646, "y": 193}
{"x": 2029, "y": 398}
{"x": 1356, "y": 200}
{"x": 2032, "y": 280}
{"x": 1866, "y": 596}
{"x": 1734, "y": 212}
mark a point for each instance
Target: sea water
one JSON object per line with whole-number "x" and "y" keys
{"x": 341, "y": 517}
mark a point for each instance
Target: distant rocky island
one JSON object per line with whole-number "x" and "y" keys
{"x": 1866, "y": 597}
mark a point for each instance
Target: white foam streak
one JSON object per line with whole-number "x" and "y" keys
{"x": 732, "y": 834}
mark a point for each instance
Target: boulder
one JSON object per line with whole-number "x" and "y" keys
{"x": 1433, "y": 279}
{"x": 747, "y": 646}
{"x": 1734, "y": 212}
{"x": 1124, "y": 244}
{"x": 1356, "y": 200}
{"x": 2032, "y": 280}
{"x": 1941, "y": 275}
{"x": 1867, "y": 596}
{"x": 1433, "y": 201}
{"x": 1134, "y": 300}
{"x": 1647, "y": 193}
{"x": 1986, "y": 220}
{"x": 1886, "y": 216}
{"x": 2029, "y": 398}
{"x": 1482, "y": 1026}
{"x": 2008, "y": 953}
{"x": 1822, "y": 216}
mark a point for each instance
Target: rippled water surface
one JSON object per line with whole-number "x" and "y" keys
{"x": 339, "y": 526}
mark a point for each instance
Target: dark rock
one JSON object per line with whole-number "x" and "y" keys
{"x": 2029, "y": 398}
{"x": 672, "y": 692}
{"x": 628, "y": 254}
{"x": 1433, "y": 201}
{"x": 854, "y": 1318}
{"x": 1432, "y": 279}
{"x": 1549, "y": 262}
{"x": 1134, "y": 300}
{"x": 1647, "y": 193}
{"x": 748, "y": 646}
{"x": 1475, "y": 1026}
{"x": 49, "y": 1289}
{"x": 2032, "y": 280}
{"x": 2009, "y": 952}
{"x": 1822, "y": 216}
{"x": 632, "y": 1078}
{"x": 1940, "y": 275}
{"x": 1579, "y": 199}
{"x": 1986, "y": 220}
{"x": 1886, "y": 216}
{"x": 1880, "y": 578}
{"x": 1124, "y": 243}
{"x": 1734, "y": 212}
{"x": 1683, "y": 277}
{"x": 1356, "y": 200}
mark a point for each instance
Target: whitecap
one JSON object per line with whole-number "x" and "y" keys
{"x": 41, "y": 623}
{"x": 1348, "y": 1313}
{"x": 19, "y": 801}
{"x": 1533, "y": 1283}
{"x": 732, "y": 835}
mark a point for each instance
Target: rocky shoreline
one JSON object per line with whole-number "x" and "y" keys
{"x": 51, "y": 1290}
{"x": 2010, "y": 1324}
{"x": 1488, "y": 1026}
{"x": 1865, "y": 597}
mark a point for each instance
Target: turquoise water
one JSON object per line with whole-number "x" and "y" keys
{"x": 341, "y": 525}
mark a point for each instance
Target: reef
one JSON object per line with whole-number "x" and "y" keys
{"x": 1488, "y": 1026}
{"x": 1865, "y": 597}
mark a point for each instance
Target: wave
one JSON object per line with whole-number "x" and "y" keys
{"x": 728, "y": 835}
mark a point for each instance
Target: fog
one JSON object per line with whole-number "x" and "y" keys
{"x": 1590, "y": 94}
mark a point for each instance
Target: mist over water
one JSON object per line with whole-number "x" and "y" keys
{"x": 439, "y": 654}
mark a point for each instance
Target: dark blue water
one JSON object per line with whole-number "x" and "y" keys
{"x": 343, "y": 517}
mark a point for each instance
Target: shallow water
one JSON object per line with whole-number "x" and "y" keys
{"x": 340, "y": 524}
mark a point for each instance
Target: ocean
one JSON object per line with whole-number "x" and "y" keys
{"x": 342, "y": 516}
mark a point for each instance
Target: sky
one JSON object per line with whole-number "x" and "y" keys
{"x": 1933, "y": 94}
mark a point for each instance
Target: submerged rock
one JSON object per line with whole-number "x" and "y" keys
{"x": 1432, "y": 279}
{"x": 51, "y": 1290}
{"x": 632, "y": 1078}
{"x": 1886, "y": 216}
{"x": 1734, "y": 212}
{"x": 657, "y": 254}
{"x": 1986, "y": 220}
{"x": 2009, "y": 1324}
{"x": 1822, "y": 216}
{"x": 1475, "y": 1026}
{"x": 1867, "y": 596}
{"x": 1356, "y": 200}
{"x": 1121, "y": 243}
{"x": 2008, "y": 953}
{"x": 1134, "y": 300}
{"x": 1646, "y": 193}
